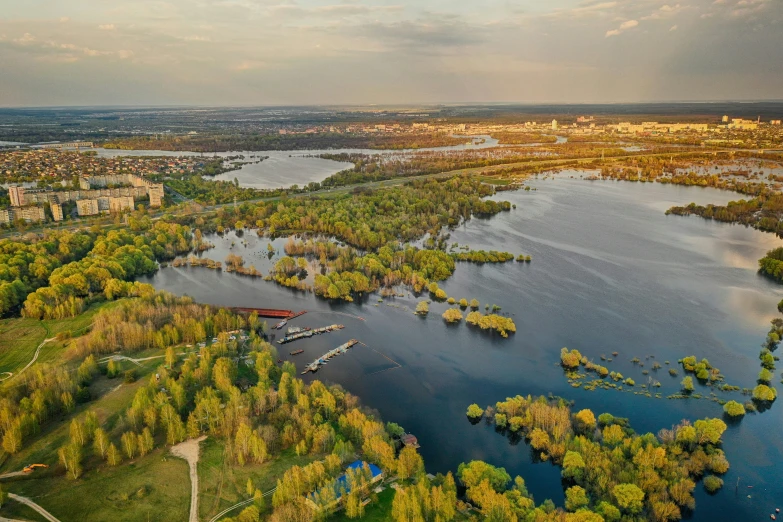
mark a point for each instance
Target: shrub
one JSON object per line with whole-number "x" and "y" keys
{"x": 734, "y": 409}
{"x": 475, "y": 411}
{"x": 762, "y": 392}
{"x": 570, "y": 359}
{"x": 452, "y": 315}
{"x": 712, "y": 483}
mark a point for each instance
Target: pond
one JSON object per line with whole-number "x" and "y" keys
{"x": 609, "y": 272}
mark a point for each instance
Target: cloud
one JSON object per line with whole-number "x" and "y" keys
{"x": 673, "y": 28}
{"x": 664, "y": 12}
{"x": 628, "y": 24}
{"x": 107, "y": 27}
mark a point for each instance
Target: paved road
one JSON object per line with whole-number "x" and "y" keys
{"x": 24, "y": 500}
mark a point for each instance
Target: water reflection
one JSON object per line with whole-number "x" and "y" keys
{"x": 610, "y": 272}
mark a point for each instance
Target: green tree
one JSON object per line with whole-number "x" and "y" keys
{"x": 687, "y": 384}
{"x": 629, "y": 497}
{"x": 475, "y": 411}
{"x": 734, "y": 409}
{"x": 576, "y": 498}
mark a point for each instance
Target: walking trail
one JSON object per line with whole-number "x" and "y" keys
{"x": 24, "y": 500}
{"x": 189, "y": 450}
{"x": 35, "y": 357}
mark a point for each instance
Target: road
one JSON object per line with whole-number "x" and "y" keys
{"x": 24, "y": 500}
{"x": 402, "y": 180}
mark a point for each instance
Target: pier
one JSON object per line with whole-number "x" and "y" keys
{"x": 269, "y": 312}
{"x": 316, "y": 364}
{"x": 309, "y": 333}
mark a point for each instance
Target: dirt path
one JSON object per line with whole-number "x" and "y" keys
{"x": 3, "y": 519}
{"x": 12, "y": 474}
{"x": 24, "y": 500}
{"x": 35, "y": 357}
{"x": 189, "y": 450}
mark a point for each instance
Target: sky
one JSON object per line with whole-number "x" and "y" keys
{"x": 292, "y": 52}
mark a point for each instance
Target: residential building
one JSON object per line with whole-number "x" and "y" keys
{"x": 87, "y": 207}
{"x": 554, "y": 125}
{"x": 725, "y": 119}
{"x": 775, "y": 122}
{"x": 57, "y": 211}
{"x": 16, "y": 192}
{"x": 155, "y": 192}
{"x": 117, "y": 205}
{"x": 28, "y": 214}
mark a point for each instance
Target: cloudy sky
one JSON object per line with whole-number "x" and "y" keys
{"x": 259, "y": 52}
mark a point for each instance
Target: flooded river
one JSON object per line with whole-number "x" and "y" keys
{"x": 610, "y": 272}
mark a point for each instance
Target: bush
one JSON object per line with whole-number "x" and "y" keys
{"x": 452, "y": 315}
{"x": 712, "y": 483}
{"x": 475, "y": 411}
{"x": 762, "y": 392}
{"x": 734, "y": 409}
{"x": 570, "y": 359}
{"x": 130, "y": 376}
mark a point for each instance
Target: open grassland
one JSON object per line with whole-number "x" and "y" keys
{"x": 155, "y": 487}
{"x": 20, "y": 337}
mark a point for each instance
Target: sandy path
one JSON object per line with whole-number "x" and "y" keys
{"x": 24, "y": 500}
{"x": 12, "y": 474}
{"x": 189, "y": 450}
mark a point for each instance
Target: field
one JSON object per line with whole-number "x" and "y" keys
{"x": 20, "y": 337}
{"x": 222, "y": 484}
{"x": 154, "y": 487}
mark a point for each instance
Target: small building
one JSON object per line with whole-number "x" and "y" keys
{"x": 341, "y": 484}
{"x": 409, "y": 440}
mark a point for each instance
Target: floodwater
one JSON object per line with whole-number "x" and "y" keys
{"x": 282, "y": 169}
{"x": 610, "y": 272}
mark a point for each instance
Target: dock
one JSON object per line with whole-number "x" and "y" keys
{"x": 273, "y": 313}
{"x": 316, "y": 364}
{"x": 309, "y": 333}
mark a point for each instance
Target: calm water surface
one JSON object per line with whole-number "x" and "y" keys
{"x": 610, "y": 272}
{"x": 293, "y": 167}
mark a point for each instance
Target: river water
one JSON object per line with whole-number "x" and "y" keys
{"x": 282, "y": 169}
{"x": 610, "y": 272}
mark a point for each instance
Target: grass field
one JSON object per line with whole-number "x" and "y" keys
{"x": 153, "y": 488}
{"x": 20, "y": 337}
{"x": 223, "y": 484}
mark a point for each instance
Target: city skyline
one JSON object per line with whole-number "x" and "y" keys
{"x": 282, "y": 52}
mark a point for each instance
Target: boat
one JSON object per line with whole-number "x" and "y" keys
{"x": 324, "y": 359}
{"x": 281, "y": 324}
{"x": 296, "y": 330}
{"x": 307, "y": 333}
{"x": 297, "y": 352}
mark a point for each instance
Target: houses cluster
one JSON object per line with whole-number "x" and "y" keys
{"x": 105, "y": 185}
